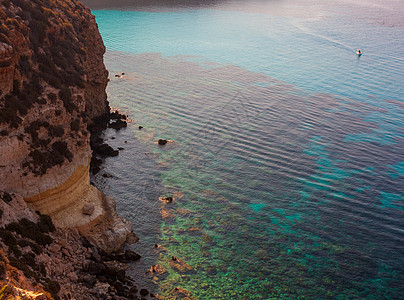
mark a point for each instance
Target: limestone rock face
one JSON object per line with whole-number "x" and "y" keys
{"x": 97, "y": 75}
{"x": 15, "y": 211}
{"x": 7, "y": 70}
{"x": 52, "y": 87}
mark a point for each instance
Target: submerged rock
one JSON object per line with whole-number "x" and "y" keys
{"x": 131, "y": 255}
{"x": 181, "y": 293}
{"x": 211, "y": 270}
{"x": 105, "y": 150}
{"x": 165, "y": 214}
{"x": 158, "y": 272}
{"x": 160, "y": 248}
{"x": 144, "y": 292}
{"x": 181, "y": 266}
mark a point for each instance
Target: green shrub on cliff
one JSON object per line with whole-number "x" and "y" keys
{"x": 45, "y": 223}
{"x": 6, "y": 3}
{"x": 56, "y": 131}
{"x": 75, "y": 125}
{"x": 27, "y": 243}
{"x": 30, "y": 230}
{"x": 6, "y": 197}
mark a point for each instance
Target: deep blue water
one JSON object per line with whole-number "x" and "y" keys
{"x": 287, "y": 166}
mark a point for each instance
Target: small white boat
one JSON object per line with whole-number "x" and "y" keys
{"x": 358, "y": 52}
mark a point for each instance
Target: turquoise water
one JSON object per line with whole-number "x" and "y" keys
{"x": 286, "y": 164}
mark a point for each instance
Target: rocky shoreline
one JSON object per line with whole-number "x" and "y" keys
{"x": 55, "y": 263}
{"x": 38, "y": 259}
{"x": 100, "y": 149}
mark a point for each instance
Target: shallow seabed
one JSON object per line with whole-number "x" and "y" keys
{"x": 287, "y": 166}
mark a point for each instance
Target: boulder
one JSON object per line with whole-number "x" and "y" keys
{"x": 157, "y": 270}
{"x": 166, "y": 199}
{"x": 89, "y": 280}
{"x": 131, "y": 255}
{"x": 105, "y": 150}
{"x": 88, "y": 209}
{"x": 95, "y": 268}
{"x": 118, "y": 124}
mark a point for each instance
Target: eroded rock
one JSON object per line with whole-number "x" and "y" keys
{"x": 88, "y": 209}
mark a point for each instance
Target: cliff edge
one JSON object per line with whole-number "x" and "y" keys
{"x": 52, "y": 88}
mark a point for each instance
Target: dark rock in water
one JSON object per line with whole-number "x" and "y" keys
{"x": 120, "y": 148}
{"x": 118, "y": 124}
{"x": 95, "y": 164}
{"x": 144, "y": 292}
{"x": 127, "y": 256}
{"x": 131, "y": 255}
{"x": 95, "y": 170}
{"x": 117, "y": 116}
{"x": 140, "y": 127}
{"x": 166, "y": 199}
{"x": 162, "y": 142}
{"x": 105, "y": 150}
{"x": 96, "y": 140}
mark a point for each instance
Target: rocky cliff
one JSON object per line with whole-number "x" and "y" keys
{"x": 52, "y": 87}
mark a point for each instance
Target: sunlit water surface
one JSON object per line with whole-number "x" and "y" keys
{"x": 287, "y": 166}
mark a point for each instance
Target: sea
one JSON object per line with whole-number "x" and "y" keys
{"x": 285, "y": 158}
